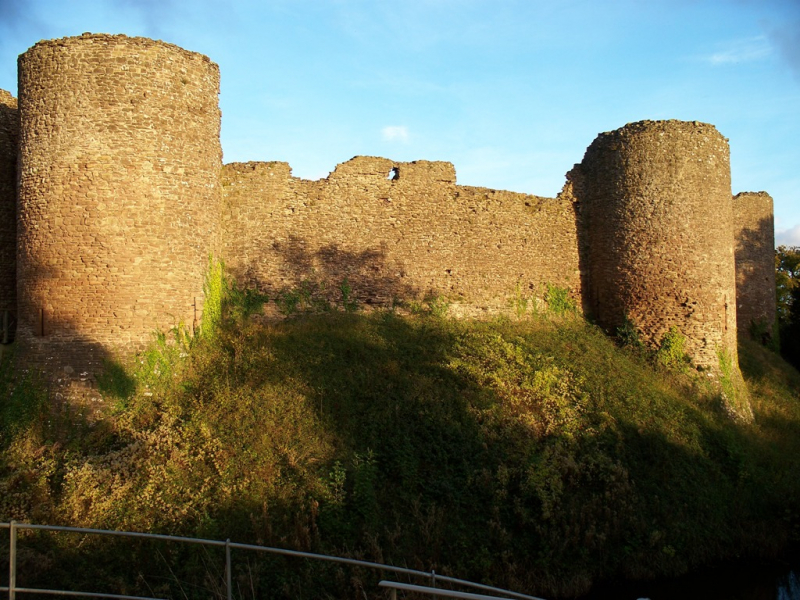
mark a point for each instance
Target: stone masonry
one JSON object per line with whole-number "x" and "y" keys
{"x": 119, "y": 194}
{"x": 657, "y": 210}
{"x": 121, "y": 198}
{"x": 9, "y": 132}
{"x": 395, "y": 231}
{"x": 755, "y": 266}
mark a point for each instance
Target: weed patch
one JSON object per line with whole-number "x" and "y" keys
{"x": 559, "y": 301}
{"x": 214, "y": 289}
{"x": 671, "y": 353}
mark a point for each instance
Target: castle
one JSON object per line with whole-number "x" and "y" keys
{"x": 113, "y": 196}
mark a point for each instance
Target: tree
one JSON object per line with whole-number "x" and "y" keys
{"x": 787, "y": 281}
{"x": 787, "y": 277}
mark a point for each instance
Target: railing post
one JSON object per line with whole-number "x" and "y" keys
{"x": 228, "y": 568}
{"x": 433, "y": 578}
{"x": 393, "y": 594}
{"x": 12, "y": 562}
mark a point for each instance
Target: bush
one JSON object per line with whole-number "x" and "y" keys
{"x": 671, "y": 352}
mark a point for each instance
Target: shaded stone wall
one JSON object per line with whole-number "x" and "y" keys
{"x": 9, "y": 132}
{"x": 395, "y": 231}
{"x": 755, "y": 260}
{"x": 119, "y": 193}
{"x": 656, "y": 203}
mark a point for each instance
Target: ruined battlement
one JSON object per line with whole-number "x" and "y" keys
{"x": 113, "y": 195}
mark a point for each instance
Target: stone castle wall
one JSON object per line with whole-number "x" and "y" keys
{"x": 755, "y": 255}
{"x": 118, "y": 193}
{"x": 9, "y": 132}
{"x": 121, "y": 199}
{"x": 396, "y": 231}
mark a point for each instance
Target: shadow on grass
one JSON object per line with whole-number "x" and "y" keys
{"x": 422, "y": 442}
{"x": 114, "y": 381}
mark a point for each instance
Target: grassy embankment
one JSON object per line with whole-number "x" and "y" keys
{"x": 531, "y": 453}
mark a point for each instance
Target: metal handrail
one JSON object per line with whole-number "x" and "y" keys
{"x": 74, "y": 594}
{"x": 423, "y": 589}
{"x": 12, "y": 588}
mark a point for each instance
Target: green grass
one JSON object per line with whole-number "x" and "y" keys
{"x": 533, "y": 453}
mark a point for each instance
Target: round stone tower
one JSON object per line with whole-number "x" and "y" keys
{"x": 119, "y": 194}
{"x": 659, "y": 240}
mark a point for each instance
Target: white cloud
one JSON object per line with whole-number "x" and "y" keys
{"x": 788, "y": 237}
{"x": 395, "y": 133}
{"x": 739, "y": 51}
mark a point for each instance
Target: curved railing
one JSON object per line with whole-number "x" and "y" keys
{"x": 13, "y": 588}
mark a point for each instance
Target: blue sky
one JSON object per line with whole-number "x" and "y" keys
{"x": 510, "y": 91}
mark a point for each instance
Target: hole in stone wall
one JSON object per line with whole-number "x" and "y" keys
{"x": 393, "y": 175}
